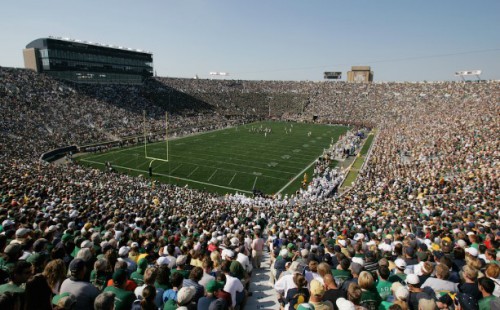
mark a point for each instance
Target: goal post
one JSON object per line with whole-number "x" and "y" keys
{"x": 153, "y": 158}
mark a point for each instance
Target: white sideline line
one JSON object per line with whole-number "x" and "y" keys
{"x": 255, "y": 182}
{"x": 212, "y": 175}
{"x": 171, "y": 176}
{"x": 232, "y": 179}
{"x": 297, "y": 176}
{"x": 193, "y": 171}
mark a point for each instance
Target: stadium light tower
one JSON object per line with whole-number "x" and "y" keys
{"x": 215, "y": 73}
{"x": 462, "y": 74}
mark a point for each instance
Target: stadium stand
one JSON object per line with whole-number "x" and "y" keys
{"x": 426, "y": 200}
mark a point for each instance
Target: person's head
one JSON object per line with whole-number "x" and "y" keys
{"x": 442, "y": 271}
{"x": 317, "y": 289}
{"x": 207, "y": 264}
{"x": 492, "y": 271}
{"x": 384, "y": 272}
{"x": 54, "y": 272}
{"x": 299, "y": 280}
{"x": 365, "y": 280}
{"x": 413, "y": 281}
{"x": 486, "y": 286}
{"x": 426, "y": 304}
{"x": 120, "y": 278}
{"x": 427, "y": 269}
{"x": 63, "y": 301}
{"x": 329, "y": 281}
{"x": 148, "y": 296}
{"x": 9, "y": 300}
{"x": 77, "y": 268}
{"x": 105, "y": 301}
{"x": 150, "y": 276}
{"x": 324, "y": 269}
{"x": 196, "y": 274}
{"x": 344, "y": 263}
{"x": 185, "y": 295}
{"x": 176, "y": 279}
{"x": 354, "y": 293}
{"x": 163, "y": 276}
{"x": 470, "y": 273}
{"x": 313, "y": 266}
{"x": 213, "y": 286}
{"x": 21, "y": 272}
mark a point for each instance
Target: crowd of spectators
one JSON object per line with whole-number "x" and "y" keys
{"x": 418, "y": 230}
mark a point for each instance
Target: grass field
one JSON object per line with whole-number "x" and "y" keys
{"x": 231, "y": 160}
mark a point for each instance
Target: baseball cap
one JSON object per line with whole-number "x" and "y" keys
{"x": 400, "y": 263}
{"x": 185, "y": 295}
{"x": 142, "y": 264}
{"x": 402, "y": 293}
{"x": 472, "y": 251}
{"x": 162, "y": 260}
{"x": 123, "y": 251}
{"x": 22, "y": 232}
{"x": 13, "y": 249}
{"x": 181, "y": 260}
{"x": 412, "y": 279}
{"x": 213, "y": 286}
{"x": 76, "y": 265}
{"x": 119, "y": 276}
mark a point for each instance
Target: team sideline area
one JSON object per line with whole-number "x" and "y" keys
{"x": 419, "y": 225}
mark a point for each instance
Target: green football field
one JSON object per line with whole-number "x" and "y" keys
{"x": 237, "y": 159}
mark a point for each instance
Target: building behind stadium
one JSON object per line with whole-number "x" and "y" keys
{"x": 87, "y": 62}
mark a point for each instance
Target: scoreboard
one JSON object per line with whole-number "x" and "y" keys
{"x": 333, "y": 75}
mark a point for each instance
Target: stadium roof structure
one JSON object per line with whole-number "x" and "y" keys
{"x": 88, "y": 62}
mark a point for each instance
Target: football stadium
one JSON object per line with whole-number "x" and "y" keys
{"x": 122, "y": 189}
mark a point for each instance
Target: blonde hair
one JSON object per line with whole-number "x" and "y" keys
{"x": 442, "y": 271}
{"x": 470, "y": 272}
{"x": 216, "y": 259}
{"x": 365, "y": 280}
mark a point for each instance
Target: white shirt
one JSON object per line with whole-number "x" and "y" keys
{"x": 284, "y": 283}
{"x": 233, "y": 285}
{"x": 244, "y": 261}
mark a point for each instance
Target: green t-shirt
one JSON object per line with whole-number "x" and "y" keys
{"x": 123, "y": 299}
{"x": 398, "y": 277}
{"x": 170, "y": 305}
{"x": 370, "y": 299}
{"x": 384, "y": 289}
{"x": 9, "y": 287}
{"x": 137, "y": 277}
{"x": 341, "y": 276}
{"x": 385, "y": 305}
{"x": 98, "y": 281}
{"x": 485, "y": 303}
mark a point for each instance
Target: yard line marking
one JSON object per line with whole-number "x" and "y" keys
{"x": 173, "y": 170}
{"x": 193, "y": 171}
{"x": 212, "y": 175}
{"x": 171, "y": 176}
{"x": 255, "y": 182}
{"x": 232, "y": 179}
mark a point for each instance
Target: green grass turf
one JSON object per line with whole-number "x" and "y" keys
{"x": 358, "y": 163}
{"x": 230, "y": 160}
